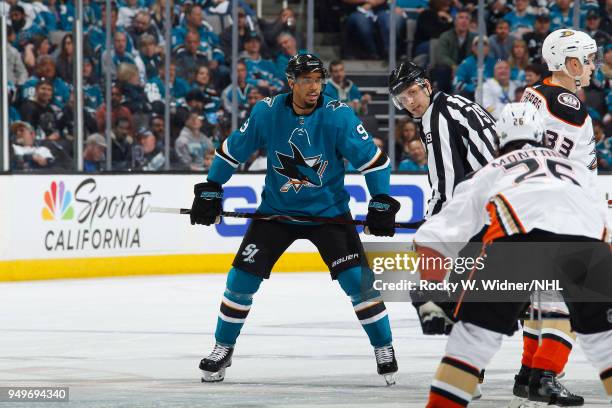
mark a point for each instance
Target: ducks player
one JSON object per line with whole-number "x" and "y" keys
{"x": 526, "y": 195}
{"x": 307, "y": 136}
{"x": 570, "y": 56}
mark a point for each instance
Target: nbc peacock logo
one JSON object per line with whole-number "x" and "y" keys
{"x": 58, "y": 203}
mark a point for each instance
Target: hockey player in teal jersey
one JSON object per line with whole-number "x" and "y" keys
{"x": 307, "y": 136}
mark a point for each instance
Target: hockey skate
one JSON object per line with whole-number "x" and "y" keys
{"x": 521, "y": 391}
{"x": 386, "y": 365}
{"x": 213, "y": 367}
{"x": 545, "y": 387}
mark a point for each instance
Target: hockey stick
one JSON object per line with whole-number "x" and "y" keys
{"x": 278, "y": 217}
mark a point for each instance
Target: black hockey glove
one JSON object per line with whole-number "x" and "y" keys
{"x": 207, "y": 203}
{"x": 435, "y": 310}
{"x": 381, "y": 215}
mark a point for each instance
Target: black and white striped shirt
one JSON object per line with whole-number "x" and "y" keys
{"x": 460, "y": 138}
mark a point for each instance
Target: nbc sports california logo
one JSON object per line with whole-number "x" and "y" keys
{"x": 58, "y": 203}
{"x": 102, "y": 217}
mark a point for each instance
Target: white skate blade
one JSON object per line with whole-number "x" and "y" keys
{"x": 477, "y": 393}
{"x": 518, "y": 402}
{"x": 209, "y": 376}
{"x": 390, "y": 378}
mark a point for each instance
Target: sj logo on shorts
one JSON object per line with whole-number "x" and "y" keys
{"x": 249, "y": 253}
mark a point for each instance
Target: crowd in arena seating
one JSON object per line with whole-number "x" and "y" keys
{"x": 438, "y": 34}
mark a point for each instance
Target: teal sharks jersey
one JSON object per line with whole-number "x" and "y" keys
{"x": 305, "y": 153}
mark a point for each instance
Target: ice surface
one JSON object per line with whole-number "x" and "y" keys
{"x": 137, "y": 342}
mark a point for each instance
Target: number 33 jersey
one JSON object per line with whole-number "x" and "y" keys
{"x": 569, "y": 129}
{"x": 527, "y": 189}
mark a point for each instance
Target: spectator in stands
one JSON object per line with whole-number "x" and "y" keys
{"x": 519, "y": 59}
{"x": 24, "y": 30}
{"x": 260, "y": 72}
{"x": 606, "y": 18}
{"x": 150, "y": 156}
{"x": 368, "y": 26}
{"x": 156, "y": 91}
{"x": 533, "y": 74}
{"x": 208, "y": 159}
{"x": 157, "y": 126}
{"x": 150, "y": 54}
{"x": 535, "y": 39}
{"x": 431, "y": 23}
{"x": 521, "y": 19}
{"x": 92, "y": 93}
{"x": 340, "y": 87}
{"x": 246, "y": 25}
{"x": 39, "y": 110}
{"x": 118, "y": 111}
{"x": 96, "y": 35}
{"x": 26, "y": 153}
{"x": 195, "y": 101}
{"x": 94, "y": 153}
{"x": 603, "y": 146}
{"x": 92, "y": 13}
{"x": 122, "y": 142}
{"x": 120, "y": 55}
{"x": 38, "y": 46}
{"x": 63, "y": 14}
{"x": 288, "y": 47}
{"x": 45, "y": 68}
{"x": 127, "y": 12}
{"x": 453, "y": 47}
{"x": 65, "y": 123}
{"x": 593, "y": 23}
{"x": 501, "y": 41}
{"x": 134, "y": 96}
{"x": 65, "y": 59}
{"x": 417, "y": 158}
{"x": 209, "y": 41}
{"x": 242, "y": 91}
{"x": 466, "y": 76}
{"x": 192, "y": 144}
{"x": 158, "y": 14}
{"x": 518, "y": 93}
{"x": 260, "y": 162}
{"x": 13, "y": 112}
{"x": 497, "y": 9}
{"x": 202, "y": 82}
{"x": 285, "y": 22}
{"x": 499, "y": 90}
{"x": 141, "y": 25}
{"x": 16, "y": 70}
{"x": 562, "y": 15}
{"x": 190, "y": 56}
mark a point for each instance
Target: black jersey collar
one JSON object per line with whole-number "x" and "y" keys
{"x": 289, "y": 103}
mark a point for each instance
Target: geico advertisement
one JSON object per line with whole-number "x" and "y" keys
{"x": 66, "y": 216}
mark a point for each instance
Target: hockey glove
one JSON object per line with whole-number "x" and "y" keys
{"x": 381, "y": 215}
{"x": 207, "y": 203}
{"x": 435, "y": 315}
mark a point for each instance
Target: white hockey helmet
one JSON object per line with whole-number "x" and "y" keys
{"x": 564, "y": 43}
{"x": 520, "y": 121}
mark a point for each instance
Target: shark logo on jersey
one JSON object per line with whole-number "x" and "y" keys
{"x": 299, "y": 136}
{"x": 336, "y": 105}
{"x": 300, "y": 171}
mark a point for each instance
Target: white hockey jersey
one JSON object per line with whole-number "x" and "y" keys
{"x": 569, "y": 128}
{"x": 532, "y": 188}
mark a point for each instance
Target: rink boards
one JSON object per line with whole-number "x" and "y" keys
{"x": 64, "y": 226}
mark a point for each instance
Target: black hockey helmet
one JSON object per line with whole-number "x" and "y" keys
{"x": 404, "y": 75}
{"x": 304, "y": 63}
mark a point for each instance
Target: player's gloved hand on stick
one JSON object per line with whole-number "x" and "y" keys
{"x": 435, "y": 311}
{"x": 207, "y": 203}
{"x": 381, "y": 215}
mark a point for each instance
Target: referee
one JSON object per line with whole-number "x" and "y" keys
{"x": 459, "y": 134}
